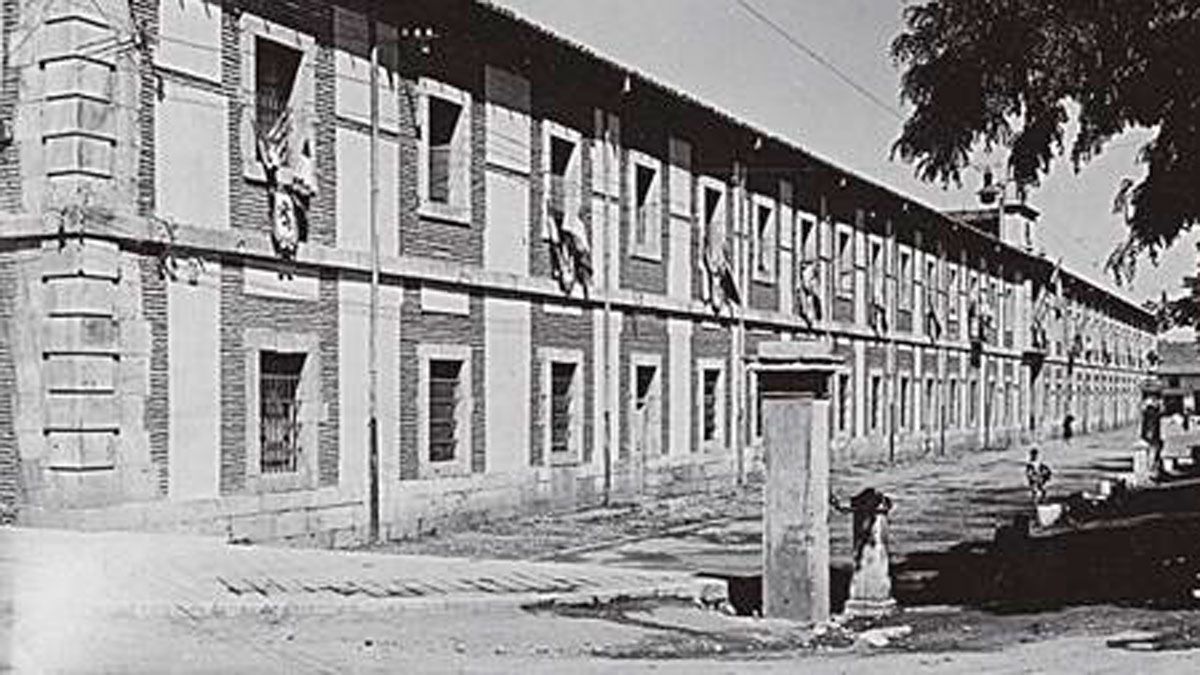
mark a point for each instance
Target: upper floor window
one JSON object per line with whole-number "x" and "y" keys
{"x": 563, "y": 182}
{"x": 808, "y": 239}
{"x": 646, "y": 240}
{"x": 845, "y": 263}
{"x": 876, "y": 271}
{"x": 904, "y": 293}
{"x": 445, "y": 151}
{"x": 275, "y": 70}
{"x": 764, "y": 241}
{"x": 951, "y": 292}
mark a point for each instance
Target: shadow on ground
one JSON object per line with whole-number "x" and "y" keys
{"x": 1152, "y": 564}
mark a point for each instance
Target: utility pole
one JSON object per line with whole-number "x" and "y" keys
{"x": 373, "y": 327}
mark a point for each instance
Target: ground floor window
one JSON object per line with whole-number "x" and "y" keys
{"x": 973, "y": 403}
{"x": 279, "y": 411}
{"x": 711, "y": 380}
{"x": 876, "y": 400}
{"x": 845, "y": 402}
{"x": 954, "y": 403}
{"x": 646, "y": 406}
{"x": 562, "y": 396}
{"x": 445, "y": 380}
{"x": 710, "y": 402}
{"x": 444, "y": 408}
{"x": 928, "y": 410}
{"x": 904, "y": 398}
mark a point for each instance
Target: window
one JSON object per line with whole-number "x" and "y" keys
{"x": 562, "y": 405}
{"x": 275, "y": 69}
{"x": 444, "y": 118}
{"x": 877, "y": 274}
{"x": 444, "y": 385}
{"x": 808, "y": 239}
{"x": 845, "y": 264}
{"x": 954, "y": 402}
{"x": 876, "y": 399}
{"x": 563, "y": 182}
{"x": 845, "y": 401}
{"x": 563, "y": 185}
{"x": 646, "y": 428}
{"x": 445, "y": 152}
{"x": 712, "y": 380}
{"x": 444, "y": 410}
{"x": 952, "y": 293}
{"x": 928, "y": 410}
{"x": 710, "y": 401}
{"x": 562, "y": 380}
{"x": 973, "y": 403}
{"x": 279, "y": 411}
{"x": 764, "y": 242}
{"x": 904, "y": 292}
{"x": 647, "y": 225}
{"x": 904, "y": 400}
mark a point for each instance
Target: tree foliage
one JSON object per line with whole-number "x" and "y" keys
{"x": 1001, "y": 73}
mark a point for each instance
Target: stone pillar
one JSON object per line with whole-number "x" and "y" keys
{"x": 793, "y": 380}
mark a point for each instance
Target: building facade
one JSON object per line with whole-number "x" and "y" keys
{"x": 1177, "y": 368}
{"x": 569, "y": 270}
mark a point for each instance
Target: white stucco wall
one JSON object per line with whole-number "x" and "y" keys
{"x": 353, "y": 193}
{"x": 191, "y": 166}
{"x": 679, "y": 334}
{"x": 194, "y": 389}
{"x": 354, "y": 300}
{"x": 507, "y": 353}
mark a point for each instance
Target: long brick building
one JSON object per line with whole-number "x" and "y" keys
{"x": 574, "y": 265}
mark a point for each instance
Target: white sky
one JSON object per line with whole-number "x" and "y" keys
{"x": 719, "y": 53}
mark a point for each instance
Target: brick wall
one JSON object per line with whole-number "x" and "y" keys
{"x": 10, "y": 165}
{"x": 240, "y": 311}
{"x": 418, "y": 328}
{"x": 156, "y": 415}
{"x": 10, "y": 461}
{"x": 431, "y": 237}
{"x": 764, "y": 295}
{"x": 560, "y": 331}
{"x": 248, "y": 199}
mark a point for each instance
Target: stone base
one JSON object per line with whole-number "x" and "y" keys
{"x": 856, "y": 607}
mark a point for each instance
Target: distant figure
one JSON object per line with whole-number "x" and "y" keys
{"x": 1152, "y": 429}
{"x": 1037, "y": 474}
{"x": 1068, "y": 427}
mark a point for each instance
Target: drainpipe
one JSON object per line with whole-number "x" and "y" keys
{"x": 606, "y": 148}
{"x": 372, "y": 346}
{"x": 737, "y": 344}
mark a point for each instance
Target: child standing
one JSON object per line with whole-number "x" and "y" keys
{"x": 1037, "y": 474}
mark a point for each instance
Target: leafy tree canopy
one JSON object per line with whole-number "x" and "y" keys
{"x": 1001, "y": 73}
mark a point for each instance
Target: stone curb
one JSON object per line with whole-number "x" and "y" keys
{"x": 695, "y": 590}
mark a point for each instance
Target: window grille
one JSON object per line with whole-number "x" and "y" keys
{"x": 444, "y": 382}
{"x": 275, "y": 70}
{"x": 712, "y": 379}
{"x": 562, "y": 377}
{"x": 279, "y": 414}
